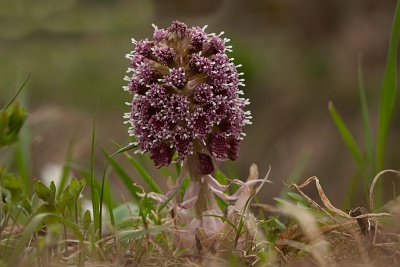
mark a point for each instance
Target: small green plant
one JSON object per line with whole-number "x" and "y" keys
{"x": 33, "y": 227}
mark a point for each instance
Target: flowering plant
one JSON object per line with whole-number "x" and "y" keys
{"x": 187, "y": 103}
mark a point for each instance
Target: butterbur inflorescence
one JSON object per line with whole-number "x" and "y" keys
{"x": 187, "y": 106}
{"x": 186, "y": 97}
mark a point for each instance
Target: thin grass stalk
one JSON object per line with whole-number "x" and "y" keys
{"x": 93, "y": 190}
{"x": 110, "y": 205}
{"x": 101, "y": 203}
{"x": 16, "y": 93}
{"x": 77, "y": 223}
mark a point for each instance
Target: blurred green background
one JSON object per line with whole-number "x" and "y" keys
{"x": 296, "y": 56}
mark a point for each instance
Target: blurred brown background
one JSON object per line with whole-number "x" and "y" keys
{"x": 296, "y": 56}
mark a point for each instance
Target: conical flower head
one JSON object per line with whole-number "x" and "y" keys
{"x": 186, "y": 97}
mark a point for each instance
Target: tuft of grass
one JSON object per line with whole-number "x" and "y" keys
{"x": 31, "y": 228}
{"x": 369, "y": 161}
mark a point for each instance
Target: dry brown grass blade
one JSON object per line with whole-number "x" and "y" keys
{"x": 371, "y": 189}
{"x": 322, "y": 195}
{"x": 328, "y": 204}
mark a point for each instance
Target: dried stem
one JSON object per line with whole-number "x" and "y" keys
{"x": 371, "y": 189}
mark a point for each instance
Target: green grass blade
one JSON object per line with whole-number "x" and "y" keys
{"x": 389, "y": 90}
{"x": 165, "y": 203}
{"x": 16, "y": 94}
{"x": 124, "y": 149}
{"x": 109, "y": 203}
{"x": 125, "y": 178}
{"x": 369, "y": 147}
{"x": 346, "y": 135}
{"x": 144, "y": 174}
{"x": 65, "y": 172}
{"x": 94, "y": 192}
{"x": 99, "y": 235}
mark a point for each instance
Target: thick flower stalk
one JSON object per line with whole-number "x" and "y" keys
{"x": 186, "y": 103}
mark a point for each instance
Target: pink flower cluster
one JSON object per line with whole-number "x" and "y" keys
{"x": 186, "y": 97}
